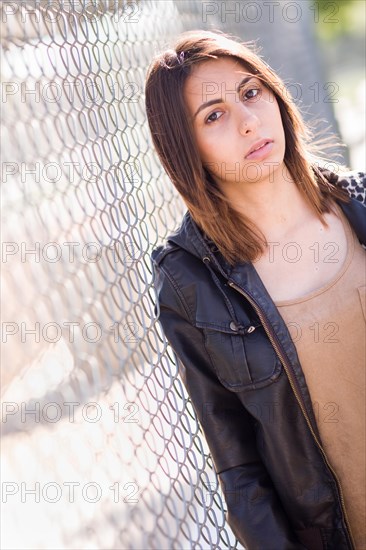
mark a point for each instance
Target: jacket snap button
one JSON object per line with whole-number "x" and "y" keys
{"x": 233, "y": 326}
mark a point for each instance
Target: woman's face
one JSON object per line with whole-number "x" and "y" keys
{"x": 232, "y": 113}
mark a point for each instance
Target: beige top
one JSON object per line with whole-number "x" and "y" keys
{"x": 328, "y": 329}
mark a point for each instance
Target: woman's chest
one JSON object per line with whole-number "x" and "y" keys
{"x": 308, "y": 260}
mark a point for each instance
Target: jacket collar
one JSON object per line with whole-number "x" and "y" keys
{"x": 355, "y": 212}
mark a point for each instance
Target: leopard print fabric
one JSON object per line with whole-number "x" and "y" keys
{"x": 353, "y": 182}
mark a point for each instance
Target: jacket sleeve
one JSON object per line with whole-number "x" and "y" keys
{"x": 254, "y": 511}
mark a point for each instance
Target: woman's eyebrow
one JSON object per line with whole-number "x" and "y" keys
{"x": 220, "y": 100}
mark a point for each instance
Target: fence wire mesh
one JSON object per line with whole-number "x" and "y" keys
{"x": 100, "y": 444}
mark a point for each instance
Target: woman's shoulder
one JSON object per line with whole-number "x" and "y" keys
{"x": 170, "y": 248}
{"x": 178, "y": 266}
{"x": 187, "y": 244}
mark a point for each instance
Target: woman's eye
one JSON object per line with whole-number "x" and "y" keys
{"x": 213, "y": 117}
{"x": 251, "y": 93}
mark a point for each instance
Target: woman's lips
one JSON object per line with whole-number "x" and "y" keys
{"x": 261, "y": 152}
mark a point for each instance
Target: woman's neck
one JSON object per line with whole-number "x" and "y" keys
{"x": 276, "y": 207}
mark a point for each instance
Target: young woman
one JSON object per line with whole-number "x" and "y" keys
{"x": 261, "y": 293}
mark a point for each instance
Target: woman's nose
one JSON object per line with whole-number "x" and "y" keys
{"x": 248, "y": 121}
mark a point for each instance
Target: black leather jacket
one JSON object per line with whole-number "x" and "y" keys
{"x": 242, "y": 373}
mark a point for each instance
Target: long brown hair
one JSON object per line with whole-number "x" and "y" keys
{"x": 173, "y": 138}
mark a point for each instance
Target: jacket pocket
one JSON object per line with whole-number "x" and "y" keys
{"x": 242, "y": 356}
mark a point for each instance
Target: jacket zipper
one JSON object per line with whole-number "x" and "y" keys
{"x": 288, "y": 368}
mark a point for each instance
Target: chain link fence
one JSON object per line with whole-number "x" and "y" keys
{"x": 100, "y": 444}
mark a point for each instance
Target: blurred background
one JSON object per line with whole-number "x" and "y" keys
{"x": 341, "y": 41}
{"x": 100, "y": 446}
